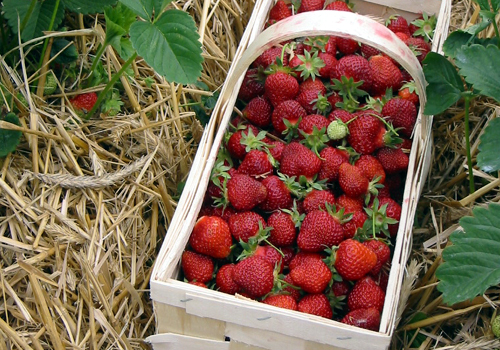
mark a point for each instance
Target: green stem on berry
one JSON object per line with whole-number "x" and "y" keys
{"x": 467, "y": 143}
{"x": 110, "y": 84}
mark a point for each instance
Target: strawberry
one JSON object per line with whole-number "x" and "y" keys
{"x": 398, "y": 24}
{"x": 354, "y": 183}
{"x": 234, "y": 145}
{"x": 316, "y": 304}
{"x": 340, "y": 288}
{"x": 331, "y": 160}
{"x": 357, "y": 221}
{"x": 311, "y": 121}
{"x": 382, "y": 279}
{"x": 307, "y": 65}
{"x": 341, "y": 114}
{"x": 278, "y": 194}
{"x": 281, "y": 86}
{"x": 289, "y": 289}
{"x": 279, "y": 11}
{"x": 363, "y": 318}
{"x": 317, "y": 199}
{"x": 407, "y": 92}
{"x": 211, "y": 236}
{"x": 255, "y": 276}
{"x": 283, "y": 230}
{"x": 329, "y": 63}
{"x": 286, "y": 115}
{"x": 197, "y": 267}
{"x": 365, "y": 294}
{"x": 367, "y": 133}
{"x": 392, "y": 211}
{"x": 252, "y": 86}
{"x": 199, "y": 284}
{"x": 383, "y": 254}
{"x": 245, "y": 225}
{"x": 402, "y": 114}
{"x": 281, "y": 300}
{"x": 333, "y": 99}
{"x": 302, "y": 257}
{"x": 350, "y": 205}
{"x": 312, "y": 276}
{"x": 271, "y": 255}
{"x": 384, "y": 75}
{"x": 355, "y": 67}
{"x": 311, "y": 5}
{"x": 402, "y": 36}
{"x": 338, "y": 6}
{"x": 288, "y": 254}
{"x": 297, "y": 160}
{"x": 256, "y": 163}
{"x": 393, "y": 160}
{"x": 258, "y": 112}
{"x": 368, "y": 51}
{"x": 313, "y": 101}
{"x": 244, "y": 192}
{"x": 276, "y": 149}
{"x": 353, "y": 260}
{"x": 312, "y": 84}
{"x": 371, "y": 168}
{"x": 320, "y": 229}
{"x": 84, "y": 102}
{"x": 419, "y": 46}
{"x": 269, "y": 57}
{"x": 224, "y": 280}
{"x": 347, "y": 46}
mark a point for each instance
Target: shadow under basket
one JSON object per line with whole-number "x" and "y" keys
{"x": 190, "y": 317}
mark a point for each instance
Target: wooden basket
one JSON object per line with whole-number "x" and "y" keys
{"x": 189, "y": 317}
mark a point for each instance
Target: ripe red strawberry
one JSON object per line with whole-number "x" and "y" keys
{"x": 310, "y": 84}
{"x": 338, "y": 6}
{"x": 256, "y": 163}
{"x": 408, "y": 93}
{"x": 234, "y": 145}
{"x": 276, "y": 149}
{"x": 197, "y": 267}
{"x": 365, "y": 294}
{"x": 382, "y": 279}
{"x": 199, "y": 284}
{"x": 353, "y": 260}
{"x": 398, "y": 24}
{"x": 419, "y": 46}
{"x": 331, "y": 160}
{"x": 245, "y": 225}
{"x": 384, "y": 75}
{"x": 369, "y": 51}
{"x": 316, "y": 304}
{"x": 279, "y": 11}
{"x": 363, "y": 318}
{"x": 293, "y": 292}
{"x": 340, "y": 288}
{"x": 317, "y": 199}
{"x": 311, "y": 121}
{"x": 280, "y": 86}
{"x": 312, "y": 276}
{"x": 271, "y": 255}
{"x": 283, "y": 230}
{"x": 308, "y": 100}
{"x": 393, "y": 160}
{"x": 269, "y": 57}
{"x": 224, "y": 213}
{"x": 244, "y": 192}
{"x": 302, "y": 257}
{"x": 224, "y": 280}
{"x": 297, "y": 160}
{"x": 383, "y": 254}
{"x": 311, "y": 5}
{"x": 330, "y": 62}
{"x": 353, "y": 182}
{"x": 355, "y": 67}
{"x": 252, "y": 86}
{"x": 402, "y": 36}
{"x": 402, "y": 114}
{"x": 255, "y": 276}
{"x": 289, "y": 110}
{"x": 288, "y": 254}
{"x": 392, "y": 211}
{"x": 349, "y": 204}
{"x": 319, "y": 229}
{"x": 84, "y": 102}
{"x": 371, "y": 168}
{"x": 357, "y": 221}
{"x": 284, "y": 301}
{"x": 211, "y": 236}
{"x": 278, "y": 194}
{"x": 333, "y": 99}
{"x": 258, "y": 112}
{"x": 347, "y": 46}
{"x": 367, "y": 133}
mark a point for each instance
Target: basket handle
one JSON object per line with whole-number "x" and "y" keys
{"x": 337, "y": 23}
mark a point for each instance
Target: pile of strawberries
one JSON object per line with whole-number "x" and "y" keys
{"x": 304, "y": 200}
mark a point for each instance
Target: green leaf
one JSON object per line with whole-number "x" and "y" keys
{"x": 487, "y": 16}
{"x": 124, "y": 48}
{"x": 472, "y": 264}
{"x": 495, "y": 4}
{"x": 444, "y": 84}
{"x": 88, "y": 6}
{"x": 142, "y": 8}
{"x": 159, "y": 5}
{"x": 456, "y": 40}
{"x": 170, "y": 46}
{"x": 489, "y": 147}
{"x": 38, "y": 21}
{"x": 479, "y": 66}
{"x": 68, "y": 55}
{"x": 9, "y": 139}
{"x": 484, "y": 5}
{"x": 118, "y": 21}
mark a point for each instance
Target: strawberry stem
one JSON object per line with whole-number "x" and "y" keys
{"x": 467, "y": 143}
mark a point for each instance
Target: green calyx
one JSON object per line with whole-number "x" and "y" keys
{"x": 377, "y": 221}
{"x": 310, "y": 65}
{"x": 316, "y": 140}
{"x": 251, "y": 141}
{"x": 350, "y": 92}
{"x": 426, "y": 26}
{"x": 321, "y": 105}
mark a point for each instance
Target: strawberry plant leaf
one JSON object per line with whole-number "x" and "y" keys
{"x": 38, "y": 20}
{"x": 87, "y": 6}
{"x": 472, "y": 264}
{"x": 444, "y": 84}
{"x": 495, "y": 4}
{"x": 455, "y": 41}
{"x": 159, "y": 5}
{"x": 142, "y": 8}
{"x": 118, "y": 22}
{"x": 479, "y": 66}
{"x": 170, "y": 45}
{"x": 489, "y": 148}
{"x": 483, "y": 4}
{"x": 9, "y": 139}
